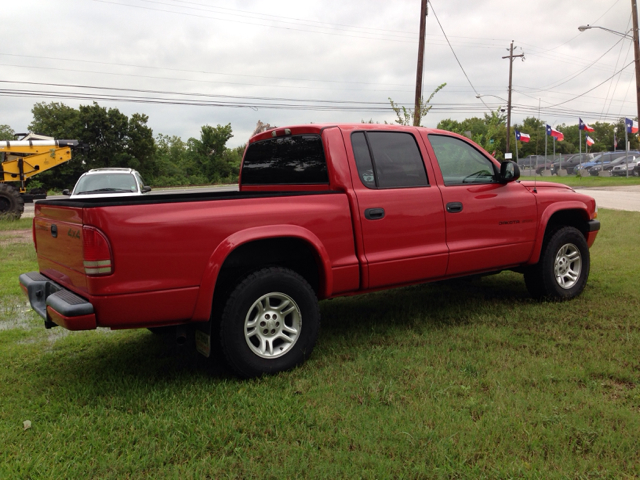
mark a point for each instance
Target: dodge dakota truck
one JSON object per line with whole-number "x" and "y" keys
{"x": 321, "y": 211}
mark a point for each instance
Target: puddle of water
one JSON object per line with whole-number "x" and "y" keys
{"x": 16, "y": 315}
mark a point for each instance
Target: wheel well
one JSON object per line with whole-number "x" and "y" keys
{"x": 568, "y": 218}
{"x": 292, "y": 253}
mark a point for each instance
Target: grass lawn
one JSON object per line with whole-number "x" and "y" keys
{"x": 575, "y": 181}
{"x": 453, "y": 380}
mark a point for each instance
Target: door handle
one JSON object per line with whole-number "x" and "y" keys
{"x": 374, "y": 213}
{"x": 454, "y": 207}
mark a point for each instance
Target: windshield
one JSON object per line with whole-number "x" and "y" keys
{"x": 106, "y": 183}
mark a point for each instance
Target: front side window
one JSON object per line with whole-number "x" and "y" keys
{"x": 291, "y": 160}
{"x": 388, "y": 160}
{"x": 460, "y": 163}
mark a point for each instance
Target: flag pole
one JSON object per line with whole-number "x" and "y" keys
{"x": 516, "y": 142}
{"x": 626, "y": 146}
{"x": 545, "y": 150}
{"x": 580, "y": 143}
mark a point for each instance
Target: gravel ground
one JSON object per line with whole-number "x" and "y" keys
{"x": 615, "y": 198}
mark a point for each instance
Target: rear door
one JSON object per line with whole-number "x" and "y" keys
{"x": 400, "y": 212}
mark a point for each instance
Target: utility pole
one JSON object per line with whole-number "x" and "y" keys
{"x": 636, "y": 51}
{"x": 511, "y": 56}
{"x": 423, "y": 26}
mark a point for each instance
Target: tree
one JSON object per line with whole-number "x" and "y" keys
{"x": 6, "y": 133}
{"x": 207, "y": 152}
{"x": 488, "y": 132}
{"x": 61, "y": 122}
{"x": 141, "y": 145}
{"x": 109, "y": 139}
{"x": 406, "y": 117}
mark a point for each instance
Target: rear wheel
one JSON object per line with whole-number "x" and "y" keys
{"x": 563, "y": 268}
{"x": 11, "y": 203}
{"x": 270, "y": 323}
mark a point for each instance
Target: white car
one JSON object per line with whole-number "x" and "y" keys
{"x": 621, "y": 170}
{"x": 108, "y": 182}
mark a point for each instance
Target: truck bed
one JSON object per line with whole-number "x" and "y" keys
{"x": 167, "y": 248}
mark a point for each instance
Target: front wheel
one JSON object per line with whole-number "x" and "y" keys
{"x": 563, "y": 268}
{"x": 270, "y": 323}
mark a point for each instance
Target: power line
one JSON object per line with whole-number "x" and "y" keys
{"x": 550, "y": 87}
{"x": 173, "y": 79}
{"x": 456, "y": 56}
{"x": 252, "y": 23}
{"x": 592, "y": 89}
{"x": 112, "y": 64}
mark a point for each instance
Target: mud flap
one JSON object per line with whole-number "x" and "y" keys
{"x": 203, "y": 338}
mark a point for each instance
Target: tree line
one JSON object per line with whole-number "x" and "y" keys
{"x": 109, "y": 138}
{"x": 112, "y": 139}
{"x": 490, "y": 133}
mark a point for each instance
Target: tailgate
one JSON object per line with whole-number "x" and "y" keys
{"x": 58, "y": 235}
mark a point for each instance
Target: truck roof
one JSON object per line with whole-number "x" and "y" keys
{"x": 316, "y": 128}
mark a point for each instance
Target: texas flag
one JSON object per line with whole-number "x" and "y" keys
{"x": 555, "y": 133}
{"x": 523, "y": 137}
{"x": 590, "y": 140}
{"x": 584, "y": 126}
{"x": 632, "y": 125}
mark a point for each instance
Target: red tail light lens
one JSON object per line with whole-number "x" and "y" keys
{"x": 96, "y": 252}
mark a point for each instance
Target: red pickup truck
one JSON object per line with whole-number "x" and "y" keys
{"x": 322, "y": 211}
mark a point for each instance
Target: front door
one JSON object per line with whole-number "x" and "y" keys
{"x": 489, "y": 224}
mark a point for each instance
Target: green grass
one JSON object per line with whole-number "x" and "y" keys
{"x": 22, "y": 224}
{"x": 575, "y": 181}
{"x": 453, "y": 380}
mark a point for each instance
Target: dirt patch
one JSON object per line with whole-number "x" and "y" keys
{"x": 15, "y": 236}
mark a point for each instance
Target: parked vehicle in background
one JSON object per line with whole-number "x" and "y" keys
{"x": 322, "y": 211}
{"x": 570, "y": 162}
{"x": 636, "y": 170}
{"x": 108, "y": 182}
{"x": 542, "y": 166}
{"x": 599, "y": 159}
{"x": 606, "y": 167}
{"x": 530, "y": 161}
{"x": 630, "y": 164}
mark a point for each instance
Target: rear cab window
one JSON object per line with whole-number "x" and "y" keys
{"x": 290, "y": 160}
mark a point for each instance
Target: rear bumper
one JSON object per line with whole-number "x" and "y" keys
{"x": 57, "y": 305}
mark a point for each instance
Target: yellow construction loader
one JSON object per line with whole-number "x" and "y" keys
{"x": 22, "y": 159}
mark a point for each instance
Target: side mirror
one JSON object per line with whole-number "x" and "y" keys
{"x": 509, "y": 172}
{"x": 66, "y": 192}
{"x": 146, "y": 189}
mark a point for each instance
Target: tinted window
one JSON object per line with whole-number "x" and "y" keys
{"x": 388, "y": 160}
{"x": 297, "y": 159}
{"x": 363, "y": 159}
{"x": 461, "y": 163}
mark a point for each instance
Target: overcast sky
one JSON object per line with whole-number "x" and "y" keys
{"x": 288, "y": 62}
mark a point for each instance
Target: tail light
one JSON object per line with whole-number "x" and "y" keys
{"x": 96, "y": 252}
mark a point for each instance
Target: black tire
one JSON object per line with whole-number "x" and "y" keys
{"x": 11, "y": 203}
{"x": 563, "y": 268}
{"x": 252, "y": 338}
